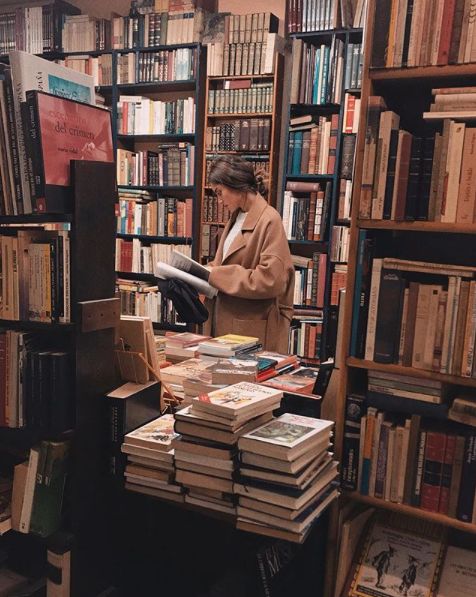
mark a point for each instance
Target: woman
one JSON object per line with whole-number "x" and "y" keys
{"x": 252, "y": 269}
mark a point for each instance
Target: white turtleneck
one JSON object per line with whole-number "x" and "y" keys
{"x": 234, "y": 231}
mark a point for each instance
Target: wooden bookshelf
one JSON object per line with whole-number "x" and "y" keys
{"x": 407, "y": 92}
{"x": 271, "y": 155}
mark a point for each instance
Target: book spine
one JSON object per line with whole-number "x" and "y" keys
{"x": 432, "y": 471}
{"x": 34, "y": 152}
{"x": 468, "y": 480}
{"x": 355, "y": 410}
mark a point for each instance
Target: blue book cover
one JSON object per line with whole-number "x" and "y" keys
{"x": 296, "y": 169}
{"x": 357, "y": 291}
{"x": 316, "y": 76}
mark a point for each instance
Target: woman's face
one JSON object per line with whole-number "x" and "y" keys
{"x": 231, "y": 199}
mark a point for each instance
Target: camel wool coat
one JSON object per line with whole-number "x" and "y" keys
{"x": 255, "y": 280}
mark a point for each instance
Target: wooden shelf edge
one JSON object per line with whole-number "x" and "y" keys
{"x": 418, "y": 226}
{"x": 410, "y": 371}
{"x": 240, "y": 115}
{"x": 423, "y": 72}
{"x": 412, "y": 511}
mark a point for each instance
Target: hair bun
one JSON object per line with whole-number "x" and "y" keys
{"x": 262, "y": 182}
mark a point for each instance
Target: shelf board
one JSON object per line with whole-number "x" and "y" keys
{"x": 326, "y": 33}
{"x": 412, "y": 511}
{"x": 36, "y": 326}
{"x": 179, "y": 240}
{"x": 420, "y": 373}
{"x": 241, "y": 115}
{"x": 315, "y": 107}
{"x": 160, "y": 86}
{"x": 453, "y": 114}
{"x": 158, "y": 137}
{"x": 353, "y": 90}
{"x": 164, "y": 188}
{"x": 155, "y": 48}
{"x": 423, "y": 72}
{"x": 418, "y": 226}
{"x": 253, "y": 154}
{"x": 240, "y": 77}
{"x": 136, "y": 276}
{"x": 36, "y": 218}
{"x": 169, "y": 327}
{"x": 310, "y": 177}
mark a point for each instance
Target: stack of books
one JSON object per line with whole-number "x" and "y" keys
{"x": 183, "y": 346}
{"x": 229, "y": 345}
{"x": 150, "y": 460}
{"x": 175, "y": 375}
{"x": 287, "y": 476}
{"x": 210, "y": 429}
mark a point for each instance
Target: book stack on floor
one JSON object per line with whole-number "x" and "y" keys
{"x": 287, "y": 476}
{"x": 210, "y": 428}
{"x": 150, "y": 460}
{"x": 176, "y": 375}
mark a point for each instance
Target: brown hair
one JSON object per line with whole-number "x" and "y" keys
{"x": 236, "y": 173}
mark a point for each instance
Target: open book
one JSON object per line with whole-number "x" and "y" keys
{"x": 188, "y": 270}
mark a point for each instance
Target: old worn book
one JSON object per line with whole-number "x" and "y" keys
{"x": 287, "y": 437}
{"x": 230, "y": 371}
{"x": 181, "y": 371}
{"x": 458, "y": 573}
{"x": 238, "y": 400}
{"x": 155, "y": 435}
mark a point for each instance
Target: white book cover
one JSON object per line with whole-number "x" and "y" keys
{"x": 156, "y": 434}
{"x": 31, "y": 72}
{"x": 237, "y": 398}
{"x": 290, "y": 430}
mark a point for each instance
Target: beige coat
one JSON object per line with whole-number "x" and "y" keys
{"x": 255, "y": 280}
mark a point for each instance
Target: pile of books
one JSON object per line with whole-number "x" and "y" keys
{"x": 176, "y": 375}
{"x": 150, "y": 459}
{"x": 229, "y": 345}
{"x": 210, "y": 428}
{"x": 287, "y": 476}
{"x": 182, "y": 346}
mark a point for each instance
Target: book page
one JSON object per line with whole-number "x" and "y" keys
{"x": 166, "y": 271}
{"x": 189, "y": 265}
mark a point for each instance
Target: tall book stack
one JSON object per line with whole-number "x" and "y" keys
{"x": 287, "y": 477}
{"x": 326, "y": 72}
{"x": 210, "y": 429}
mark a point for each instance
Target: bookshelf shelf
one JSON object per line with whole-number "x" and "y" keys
{"x": 177, "y": 137}
{"x": 179, "y": 240}
{"x": 159, "y": 86}
{"x": 423, "y": 72}
{"x": 239, "y": 77}
{"x": 418, "y": 226}
{"x": 241, "y": 114}
{"x": 421, "y": 373}
{"x": 136, "y": 276}
{"x": 325, "y": 33}
{"x": 163, "y": 188}
{"x": 412, "y": 511}
{"x": 153, "y": 48}
{"x": 215, "y": 223}
{"x": 262, "y": 153}
{"x": 307, "y": 108}
{"x": 37, "y": 326}
{"x": 310, "y": 177}
{"x": 36, "y": 219}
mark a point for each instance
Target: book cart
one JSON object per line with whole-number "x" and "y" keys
{"x": 407, "y": 91}
{"x": 89, "y": 338}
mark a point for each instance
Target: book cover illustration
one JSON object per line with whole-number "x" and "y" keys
{"x": 288, "y": 430}
{"x": 69, "y": 89}
{"x": 231, "y": 341}
{"x": 238, "y": 395}
{"x": 397, "y": 564}
{"x": 159, "y": 431}
{"x": 71, "y": 131}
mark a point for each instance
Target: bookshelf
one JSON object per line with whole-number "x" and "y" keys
{"x": 320, "y": 97}
{"x": 407, "y": 92}
{"x": 220, "y": 122}
{"x": 89, "y": 340}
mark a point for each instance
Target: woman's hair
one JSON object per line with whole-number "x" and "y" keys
{"x": 234, "y": 172}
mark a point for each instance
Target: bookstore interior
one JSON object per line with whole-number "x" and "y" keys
{"x": 238, "y": 298}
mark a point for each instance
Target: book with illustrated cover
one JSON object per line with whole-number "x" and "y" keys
{"x": 292, "y": 383}
{"x": 57, "y": 131}
{"x": 286, "y": 437}
{"x": 238, "y": 399}
{"x": 185, "y": 370}
{"x": 458, "y": 574}
{"x": 227, "y": 345}
{"x": 230, "y": 371}
{"x": 156, "y": 435}
{"x": 184, "y": 339}
{"x": 400, "y": 557}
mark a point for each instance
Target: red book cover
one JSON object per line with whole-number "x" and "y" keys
{"x": 331, "y": 164}
{"x": 432, "y": 470}
{"x": 446, "y": 30}
{"x": 349, "y": 115}
{"x": 447, "y": 474}
{"x": 61, "y": 130}
{"x": 321, "y": 282}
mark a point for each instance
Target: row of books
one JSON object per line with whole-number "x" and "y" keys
{"x": 411, "y": 177}
{"x": 249, "y": 28}
{"x": 166, "y": 216}
{"x": 143, "y": 116}
{"x": 37, "y": 491}
{"x": 428, "y": 323}
{"x": 339, "y": 249}
{"x": 407, "y": 462}
{"x": 35, "y": 388}
{"x": 135, "y": 257}
{"x": 151, "y": 67}
{"x": 338, "y": 283}
{"x": 157, "y": 29}
{"x": 423, "y": 33}
{"x": 305, "y": 214}
{"x": 312, "y": 150}
{"x": 83, "y": 33}
{"x": 353, "y": 66}
{"x": 452, "y": 102}
{"x": 227, "y": 60}
{"x": 139, "y": 298}
{"x": 317, "y": 72}
{"x": 242, "y": 134}
{"x": 171, "y": 165}
{"x": 305, "y": 338}
{"x": 214, "y": 210}
{"x": 310, "y": 280}
{"x": 211, "y": 234}
{"x": 248, "y": 98}
{"x": 99, "y": 67}
{"x": 34, "y": 29}
{"x": 308, "y": 15}
{"x": 35, "y": 276}
{"x": 344, "y": 200}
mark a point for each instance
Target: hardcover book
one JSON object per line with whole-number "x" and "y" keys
{"x": 59, "y": 130}
{"x": 458, "y": 573}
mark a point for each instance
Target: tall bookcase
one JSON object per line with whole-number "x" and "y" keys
{"x": 324, "y": 313}
{"x": 221, "y": 117}
{"x": 407, "y": 91}
{"x": 89, "y": 339}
